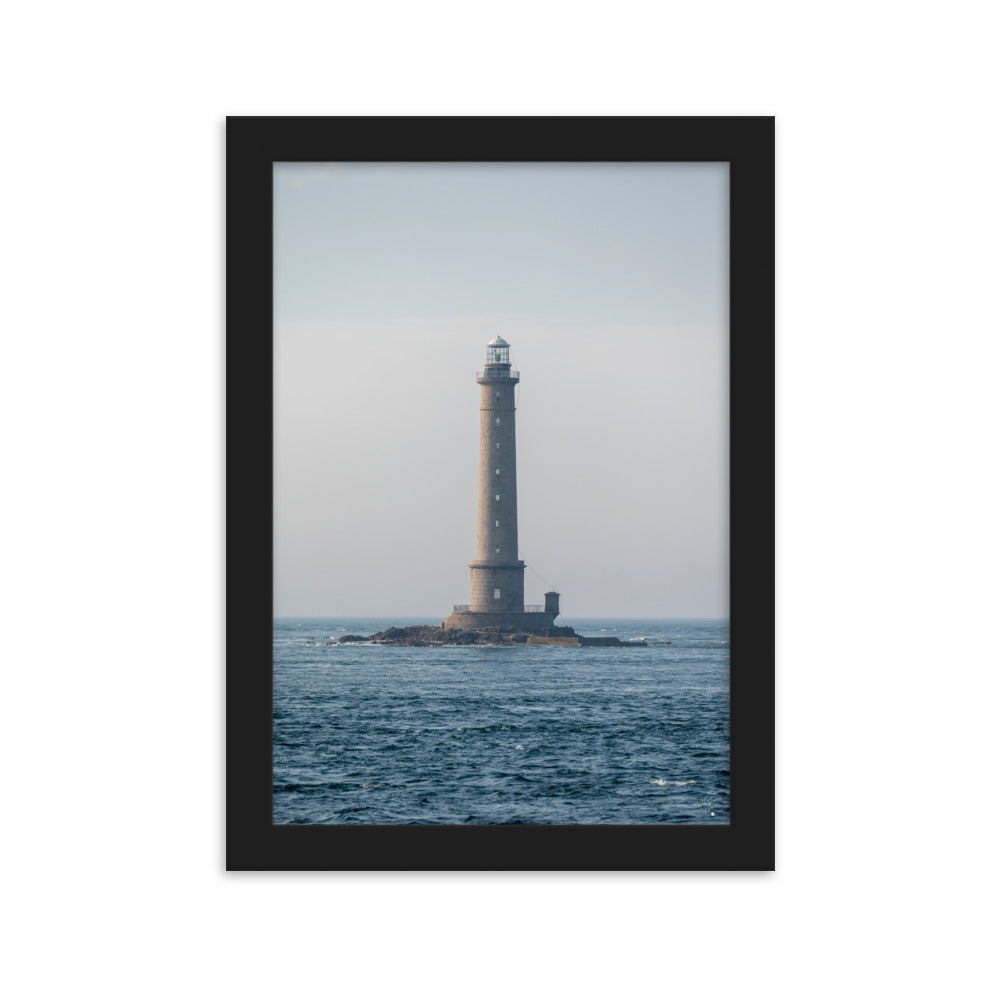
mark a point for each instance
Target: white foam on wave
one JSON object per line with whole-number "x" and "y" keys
{"x": 663, "y": 781}
{"x": 517, "y": 746}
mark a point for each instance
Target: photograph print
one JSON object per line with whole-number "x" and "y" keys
{"x": 501, "y": 493}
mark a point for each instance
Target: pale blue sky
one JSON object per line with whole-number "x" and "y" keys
{"x": 610, "y": 281}
{"x": 641, "y": 243}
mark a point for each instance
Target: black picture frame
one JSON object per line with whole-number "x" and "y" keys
{"x": 253, "y": 145}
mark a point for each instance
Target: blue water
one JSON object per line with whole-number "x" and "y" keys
{"x": 504, "y": 734}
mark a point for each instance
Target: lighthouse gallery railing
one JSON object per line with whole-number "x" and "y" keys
{"x": 529, "y": 609}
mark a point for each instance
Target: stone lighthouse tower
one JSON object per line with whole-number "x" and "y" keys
{"x": 497, "y": 573}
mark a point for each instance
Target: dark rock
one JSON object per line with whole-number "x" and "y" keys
{"x": 495, "y": 635}
{"x": 558, "y": 630}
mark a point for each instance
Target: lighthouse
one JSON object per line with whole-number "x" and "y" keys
{"x": 497, "y": 572}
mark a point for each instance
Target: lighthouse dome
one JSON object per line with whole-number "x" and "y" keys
{"x": 498, "y": 342}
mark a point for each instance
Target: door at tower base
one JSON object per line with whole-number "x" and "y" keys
{"x": 496, "y": 588}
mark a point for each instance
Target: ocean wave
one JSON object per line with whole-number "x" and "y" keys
{"x": 388, "y": 718}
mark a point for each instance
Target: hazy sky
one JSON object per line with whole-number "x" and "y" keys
{"x": 610, "y": 281}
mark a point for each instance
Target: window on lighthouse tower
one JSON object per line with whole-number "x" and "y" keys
{"x": 496, "y": 593}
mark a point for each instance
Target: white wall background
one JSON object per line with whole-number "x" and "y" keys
{"x": 888, "y": 547}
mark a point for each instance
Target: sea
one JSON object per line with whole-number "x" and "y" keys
{"x": 502, "y": 734}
